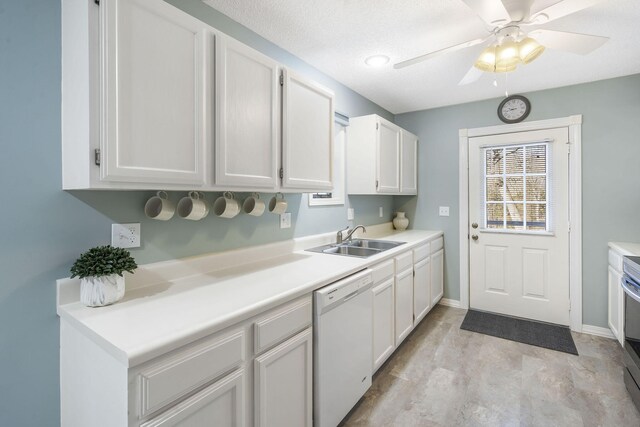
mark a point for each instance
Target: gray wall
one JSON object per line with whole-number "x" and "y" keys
{"x": 43, "y": 229}
{"x": 610, "y": 182}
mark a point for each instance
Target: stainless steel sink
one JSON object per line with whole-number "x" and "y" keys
{"x": 362, "y": 248}
{"x": 374, "y": 244}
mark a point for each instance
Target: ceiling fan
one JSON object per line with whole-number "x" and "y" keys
{"x": 509, "y": 44}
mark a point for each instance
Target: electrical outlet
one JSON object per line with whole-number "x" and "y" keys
{"x": 125, "y": 235}
{"x": 350, "y": 214}
{"x": 381, "y": 212}
{"x": 285, "y": 220}
{"x": 444, "y": 210}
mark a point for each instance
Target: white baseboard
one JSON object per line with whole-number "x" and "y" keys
{"x": 450, "y": 302}
{"x": 598, "y": 331}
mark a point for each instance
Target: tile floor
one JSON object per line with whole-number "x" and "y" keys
{"x": 445, "y": 376}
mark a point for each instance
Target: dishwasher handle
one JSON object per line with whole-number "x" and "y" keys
{"x": 351, "y": 295}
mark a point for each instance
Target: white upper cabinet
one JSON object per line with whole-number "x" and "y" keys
{"x": 376, "y": 155}
{"x": 248, "y": 116}
{"x": 307, "y": 134}
{"x": 408, "y": 163}
{"x": 156, "y": 92}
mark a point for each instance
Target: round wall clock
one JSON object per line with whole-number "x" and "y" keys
{"x": 514, "y": 109}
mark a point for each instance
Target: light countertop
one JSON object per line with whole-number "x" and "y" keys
{"x": 626, "y": 248}
{"x": 152, "y": 320}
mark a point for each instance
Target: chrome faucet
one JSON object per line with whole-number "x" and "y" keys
{"x": 339, "y": 235}
{"x": 350, "y": 233}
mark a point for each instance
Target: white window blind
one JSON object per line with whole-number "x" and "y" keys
{"x": 515, "y": 189}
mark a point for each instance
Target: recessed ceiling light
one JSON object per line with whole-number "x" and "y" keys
{"x": 377, "y": 60}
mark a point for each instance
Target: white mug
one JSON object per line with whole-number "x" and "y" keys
{"x": 160, "y": 207}
{"x": 226, "y": 206}
{"x": 193, "y": 207}
{"x": 253, "y": 205}
{"x": 277, "y": 204}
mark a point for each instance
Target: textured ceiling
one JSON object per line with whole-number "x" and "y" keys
{"x": 336, "y": 36}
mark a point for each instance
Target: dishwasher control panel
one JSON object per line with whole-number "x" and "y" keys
{"x": 343, "y": 289}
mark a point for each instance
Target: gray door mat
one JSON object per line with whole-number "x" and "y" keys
{"x": 530, "y": 332}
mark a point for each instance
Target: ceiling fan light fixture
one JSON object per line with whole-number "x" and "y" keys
{"x": 487, "y": 60}
{"x": 529, "y": 50}
{"x": 377, "y": 60}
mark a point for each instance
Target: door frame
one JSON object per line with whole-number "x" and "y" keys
{"x": 574, "y": 126}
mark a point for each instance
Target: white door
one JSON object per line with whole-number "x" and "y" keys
{"x": 437, "y": 277}
{"x": 156, "y": 87}
{"x": 408, "y": 163}
{"x": 383, "y": 322}
{"x": 219, "y": 405}
{"x": 307, "y": 134}
{"x": 388, "y": 157}
{"x": 421, "y": 289}
{"x": 404, "y": 304}
{"x": 248, "y": 115}
{"x": 519, "y": 224}
{"x": 283, "y": 384}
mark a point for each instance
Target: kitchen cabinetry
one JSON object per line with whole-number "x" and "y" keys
{"x": 615, "y": 312}
{"x": 381, "y": 157}
{"x": 421, "y": 283}
{"x": 404, "y": 296}
{"x": 283, "y": 384}
{"x": 307, "y": 134}
{"x": 408, "y": 163}
{"x": 437, "y": 276}
{"x": 140, "y": 81}
{"x": 248, "y": 116}
{"x": 383, "y": 312}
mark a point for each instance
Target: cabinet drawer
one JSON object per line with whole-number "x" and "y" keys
{"x": 615, "y": 260}
{"x": 421, "y": 253}
{"x": 437, "y": 244}
{"x": 382, "y": 271}
{"x": 404, "y": 261}
{"x": 281, "y": 323}
{"x": 172, "y": 377}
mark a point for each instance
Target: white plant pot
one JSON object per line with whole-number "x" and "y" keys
{"x": 400, "y": 222}
{"x": 101, "y": 291}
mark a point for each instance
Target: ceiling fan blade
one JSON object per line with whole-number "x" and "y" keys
{"x": 569, "y": 42}
{"x": 492, "y": 12}
{"x": 472, "y": 76}
{"x": 560, "y": 9}
{"x": 429, "y": 55}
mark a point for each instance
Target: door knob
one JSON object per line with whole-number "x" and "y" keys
{"x": 474, "y": 237}
{"x": 474, "y": 225}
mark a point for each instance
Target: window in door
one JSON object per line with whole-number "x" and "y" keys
{"x": 516, "y": 188}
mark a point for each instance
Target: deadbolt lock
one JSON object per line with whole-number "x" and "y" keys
{"x": 474, "y": 225}
{"x": 474, "y": 237}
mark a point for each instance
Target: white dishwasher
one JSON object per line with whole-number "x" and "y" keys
{"x": 343, "y": 347}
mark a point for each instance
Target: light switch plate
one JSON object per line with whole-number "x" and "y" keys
{"x": 381, "y": 212}
{"x": 350, "y": 214}
{"x": 125, "y": 235}
{"x": 285, "y": 220}
{"x": 444, "y": 210}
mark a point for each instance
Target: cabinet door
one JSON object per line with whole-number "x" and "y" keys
{"x": 388, "y": 157}
{"x": 220, "y": 405}
{"x": 616, "y": 305}
{"x": 283, "y": 384}
{"x": 156, "y": 92}
{"x": 404, "y": 305}
{"x": 437, "y": 276}
{"x": 408, "y": 164}
{"x": 307, "y": 139}
{"x": 421, "y": 289}
{"x": 247, "y": 116}
{"x": 383, "y": 322}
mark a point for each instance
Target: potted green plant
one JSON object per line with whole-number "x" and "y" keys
{"x": 100, "y": 270}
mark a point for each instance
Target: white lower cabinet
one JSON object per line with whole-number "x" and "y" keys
{"x": 616, "y": 304}
{"x": 219, "y": 405}
{"x": 421, "y": 289}
{"x": 404, "y": 305}
{"x": 383, "y": 322}
{"x": 437, "y": 276}
{"x": 283, "y": 384}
